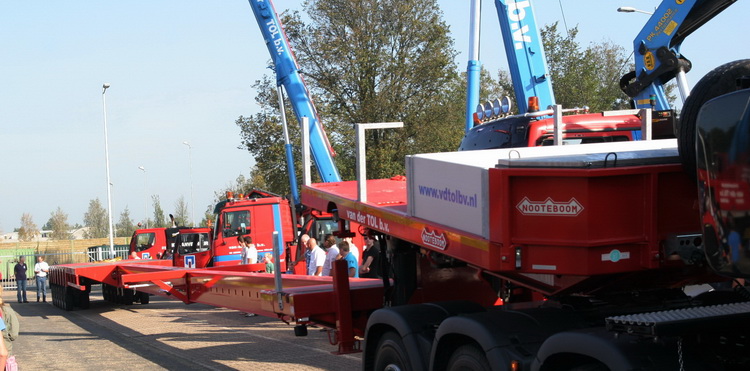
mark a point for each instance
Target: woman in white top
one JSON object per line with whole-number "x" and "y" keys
{"x": 251, "y": 253}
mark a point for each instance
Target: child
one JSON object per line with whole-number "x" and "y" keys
{"x": 269, "y": 262}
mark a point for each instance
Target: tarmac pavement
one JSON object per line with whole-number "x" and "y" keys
{"x": 164, "y": 335}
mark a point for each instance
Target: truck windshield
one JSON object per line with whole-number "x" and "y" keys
{"x": 235, "y": 223}
{"x": 322, "y": 227}
{"x": 191, "y": 243}
{"x": 144, "y": 241}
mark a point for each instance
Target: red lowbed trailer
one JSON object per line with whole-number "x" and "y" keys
{"x": 547, "y": 258}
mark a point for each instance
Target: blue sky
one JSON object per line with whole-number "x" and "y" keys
{"x": 182, "y": 71}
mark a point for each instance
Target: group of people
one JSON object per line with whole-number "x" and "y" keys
{"x": 41, "y": 269}
{"x": 319, "y": 260}
{"x": 249, "y": 253}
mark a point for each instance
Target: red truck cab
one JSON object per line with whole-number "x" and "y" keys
{"x": 151, "y": 243}
{"x": 257, "y": 214}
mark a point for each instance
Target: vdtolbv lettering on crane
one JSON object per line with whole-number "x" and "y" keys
{"x": 549, "y": 207}
{"x": 516, "y": 13}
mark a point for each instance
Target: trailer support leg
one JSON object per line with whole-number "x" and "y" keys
{"x": 345, "y": 339}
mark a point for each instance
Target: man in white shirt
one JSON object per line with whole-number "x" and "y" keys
{"x": 317, "y": 258}
{"x": 331, "y": 254}
{"x": 41, "y": 268}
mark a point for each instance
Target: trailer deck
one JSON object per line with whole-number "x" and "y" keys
{"x": 549, "y": 218}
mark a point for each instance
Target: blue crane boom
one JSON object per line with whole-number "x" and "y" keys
{"x": 288, "y": 75}
{"x": 525, "y": 53}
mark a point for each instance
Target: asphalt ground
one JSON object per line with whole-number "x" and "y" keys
{"x": 164, "y": 335}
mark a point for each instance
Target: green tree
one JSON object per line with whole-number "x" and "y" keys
{"x": 240, "y": 185}
{"x": 28, "y": 229}
{"x": 58, "y": 224}
{"x": 367, "y": 61}
{"x": 160, "y": 220}
{"x": 585, "y": 76}
{"x": 125, "y": 227}
{"x": 96, "y": 220}
{"x": 181, "y": 212}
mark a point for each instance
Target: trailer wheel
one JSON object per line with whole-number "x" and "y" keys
{"x": 55, "y": 294}
{"x": 144, "y": 298}
{"x": 720, "y": 81}
{"x": 391, "y": 355}
{"x": 106, "y": 292}
{"x": 468, "y": 358}
{"x": 127, "y": 297}
{"x": 69, "y": 300}
{"x": 84, "y": 301}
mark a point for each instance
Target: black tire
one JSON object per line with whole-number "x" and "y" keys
{"x": 391, "y": 354}
{"x": 468, "y": 358}
{"x": 69, "y": 300}
{"x": 720, "y": 81}
{"x": 84, "y": 301}
{"x": 128, "y": 297}
{"x": 55, "y": 294}
{"x": 144, "y": 297}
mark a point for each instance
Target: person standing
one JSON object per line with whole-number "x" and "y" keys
{"x": 251, "y": 252}
{"x": 331, "y": 254}
{"x": 21, "y": 279}
{"x": 317, "y": 258}
{"x": 243, "y": 251}
{"x": 268, "y": 259}
{"x": 370, "y": 259}
{"x": 353, "y": 249}
{"x": 351, "y": 262}
{"x": 41, "y": 268}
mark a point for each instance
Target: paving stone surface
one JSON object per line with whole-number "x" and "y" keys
{"x": 164, "y": 335}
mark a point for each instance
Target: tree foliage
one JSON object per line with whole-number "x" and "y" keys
{"x": 96, "y": 220}
{"x": 181, "y": 213}
{"x": 240, "y": 185}
{"x": 366, "y": 61}
{"x": 58, "y": 224}
{"x": 585, "y": 76}
{"x": 160, "y": 220}
{"x": 125, "y": 227}
{"x": 28, "y": 229}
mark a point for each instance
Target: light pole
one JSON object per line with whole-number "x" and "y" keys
{"x": 145, "y": 196}
{"x": 630, "y": 9}
{"x": 109, "y": 182}
{"x": 192, "y": 204}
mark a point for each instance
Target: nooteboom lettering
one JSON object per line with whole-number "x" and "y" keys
{"x": 550, "y": 207}
{"x": 555, "y": 209}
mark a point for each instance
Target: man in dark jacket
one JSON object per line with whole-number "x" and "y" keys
{"x": 20, "y": 272}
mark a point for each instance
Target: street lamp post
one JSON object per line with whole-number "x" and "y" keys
{"x": 109, "y": 182}
{"x": 145, "y": 196}
{"x": 192, "y": 203}
{"x": 630, "y": 9}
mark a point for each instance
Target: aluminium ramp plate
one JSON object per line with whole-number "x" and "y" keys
{"x": 593, "y": 160}
{"x": 678, "y": 321}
